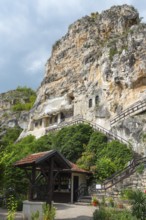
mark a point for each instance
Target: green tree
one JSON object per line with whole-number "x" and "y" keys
{"x": 97, "y": 142}
{"x": 10, "y": 136}
{"x": 70, "y": 140}
{"x": 105, "y": 167}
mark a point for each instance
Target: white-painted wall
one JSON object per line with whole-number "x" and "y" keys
{"x": 82, "y": 179}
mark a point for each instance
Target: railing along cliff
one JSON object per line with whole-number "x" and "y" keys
{"x": 95, "y": 126}
{"x": 138, "y": 107}
{"x": 121, "y": 175}
{"x": 118, "y": 176}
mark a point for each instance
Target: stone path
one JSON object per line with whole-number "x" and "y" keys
{"x": 74, "y": 212}
{"x": 63, "y": 212}
{"x": 3, "y": 215}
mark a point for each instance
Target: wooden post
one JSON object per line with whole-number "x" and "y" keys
{"x": 50, "y": 182}
{"x": 32, "y": 182}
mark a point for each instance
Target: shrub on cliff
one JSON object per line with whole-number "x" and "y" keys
{"x": 25, "y": 99}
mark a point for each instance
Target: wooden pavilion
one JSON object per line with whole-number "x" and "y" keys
{"x": 52, "y": 177}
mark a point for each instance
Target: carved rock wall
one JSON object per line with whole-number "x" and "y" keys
{"x": 96, "y": 70}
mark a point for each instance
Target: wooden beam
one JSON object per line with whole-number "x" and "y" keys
{"x": 50, "y": 182}
{"x": 32, "y": 183}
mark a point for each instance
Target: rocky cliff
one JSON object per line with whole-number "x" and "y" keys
{"x": 14, "y": 108}
{"x": 96, "y": 70}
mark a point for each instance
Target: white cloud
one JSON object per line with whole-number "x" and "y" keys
{"x": 46, "y": 8}
{"x": 35, "y": 66}
{"x": 35, "y": 62}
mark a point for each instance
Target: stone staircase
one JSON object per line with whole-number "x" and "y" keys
{"x": 110, "y": 185}
{"x": 124, "y": 174}
{"x": 83, "y": 195}
{"x": 128, "y": 177}
{"x": 84, "y": 200}
{"x": 79, "y": 119}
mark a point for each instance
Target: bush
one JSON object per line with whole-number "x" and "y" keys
{"x": 105, "y": 167}
{"x": 28, "y": 100}
{"x": 35, "y": 215}
{"x": 140, "y": 168}
{"x": 12, "y": 207}
{"x": 112, "y": 214}
{"x": 123, "y": 215}
{"x": 74, "y": 142}
{"x": 127, "y": 193}
{"x": 48, "y": 212}
{"x": 103, "y": 157}
{"x": 138, "y": 202}
{"x": 10, "y": 136}
{"x": 71, "y": 140}
{"x": 101, "y": 214}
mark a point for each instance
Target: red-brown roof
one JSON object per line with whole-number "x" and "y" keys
{"x": 75, "y": 168}
{"x": 31, "y": 158}
{"x": 37, "y": 157}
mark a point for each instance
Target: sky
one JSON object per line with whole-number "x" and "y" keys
{"x": 29, "y": 28}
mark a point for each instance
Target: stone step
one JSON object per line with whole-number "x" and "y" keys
{"x": 84, "y": 200}
{"x": 83, "y": 203}
{"x": 85, "y": 197}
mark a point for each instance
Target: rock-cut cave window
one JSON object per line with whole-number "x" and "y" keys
{"x": 62, "y": 116}
{"x": 36, "y": 124}
{"x": 90, "y": 103}
{"x": 40, "y": 123}
{"x": 51, "y": 121}
{"x": 56, "y": 118}
{"x": 96, "y": 99}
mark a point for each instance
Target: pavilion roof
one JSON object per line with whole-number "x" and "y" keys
{"x": 42, "y": 157}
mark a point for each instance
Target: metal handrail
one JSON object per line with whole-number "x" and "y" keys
{"x": 140, "y": 105}
{"x": 95, "y": 126}
{"x": 115, "y": 178}
{"x": 81, "y": 190}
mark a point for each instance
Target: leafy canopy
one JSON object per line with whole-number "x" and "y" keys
{"x": 78, "y": 143}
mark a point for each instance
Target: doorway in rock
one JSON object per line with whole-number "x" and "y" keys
{"x": 75, "y": 187}
{"x": 62, "y": 117}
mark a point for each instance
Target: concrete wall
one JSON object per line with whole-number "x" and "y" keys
{"x": 30, "y": 207}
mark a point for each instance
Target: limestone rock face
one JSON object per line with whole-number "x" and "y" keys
{"x": 133, "y": 129}
{"x": 96, "y": 70}
{"x": 8, "y": 117}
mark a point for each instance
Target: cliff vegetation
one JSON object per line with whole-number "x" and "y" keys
{"x": 79, "y": 143}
